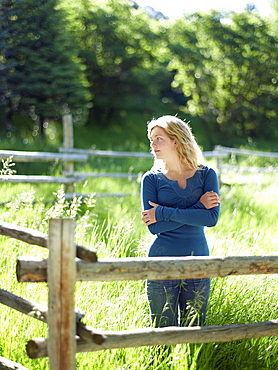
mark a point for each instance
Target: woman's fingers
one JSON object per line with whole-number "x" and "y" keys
{"x": 148, "y": 216}
{"x": 214, "y": 197}
{"x": 210, "y": 199}
{"x": 153, "y": 204}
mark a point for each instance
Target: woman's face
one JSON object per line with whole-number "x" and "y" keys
{"x": 162, "y": 146}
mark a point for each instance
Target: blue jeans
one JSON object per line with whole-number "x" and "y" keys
{"x": 178, "y": 302}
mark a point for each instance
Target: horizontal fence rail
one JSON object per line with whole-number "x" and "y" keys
{"x": 106, "y": 153}
{"x": 102, "y": 174}
{"x": 22, "y": 156}
{"x": 119, "y": 154}
{"x": 38, "y": 179}
{"x": 153, "y": 268}
{"x": 116, "y": 154}
{"x": 37, "y": 348}
{"x": 253, "y": 169}
{"x": 256, "y": 153}
{"x": 8, "y": 365}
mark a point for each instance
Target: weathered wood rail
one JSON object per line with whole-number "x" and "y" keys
{"x": 22, "y": 156}
{"x": 153, "y": 268}
{"x": 10, "y": 365}
{"x": 39, "y": 179}
{"x": 165, "y": 336}
{"x": 248, "y": 152}
{"x": 61, "y": 270}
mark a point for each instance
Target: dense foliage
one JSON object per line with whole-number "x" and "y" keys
{"x": 229, "y": 74}
{"x": 41, "y": 78}
{"x": 104, "y": 60}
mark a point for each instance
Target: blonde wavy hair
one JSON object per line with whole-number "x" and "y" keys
{"x": 188, "y": 150}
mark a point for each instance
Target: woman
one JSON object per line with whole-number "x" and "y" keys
{"x": 179, "y": 197}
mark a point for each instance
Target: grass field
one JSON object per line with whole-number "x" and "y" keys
{"x": 112, "y": 225}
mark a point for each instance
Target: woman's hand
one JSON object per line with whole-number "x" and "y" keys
{"x": 148, "y": 216}
{"x": 210, "y": 199}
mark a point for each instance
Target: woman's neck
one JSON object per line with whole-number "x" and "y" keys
{"x": 176, "y": 167}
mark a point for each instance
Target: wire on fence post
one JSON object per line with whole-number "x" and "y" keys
{"x": 61, "y": 281}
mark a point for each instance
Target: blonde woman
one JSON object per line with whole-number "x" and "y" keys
{"x": 179, "y": 198}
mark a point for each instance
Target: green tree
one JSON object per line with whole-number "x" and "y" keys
{"x": 273, "y": 17}
{"x": 122, "y": 50}
{"x": 42, "y": 79}
{"x": 189, "y": 61}
{"x": 8, "y": 13}
{"x": 251, "y": 99}
{"x": 231, "y": 76}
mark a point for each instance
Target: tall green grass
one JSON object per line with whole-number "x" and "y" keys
{"x": 112, "y": 225}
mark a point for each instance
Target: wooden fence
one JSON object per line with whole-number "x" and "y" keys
{"x": 67, "y": 335}
{"x": 68, "y": 160}
{"x": 219, "y": 153}
{"x": 227, "y": 168}
{"x": 69, "y": 148}
{"x": 69, "y": 155}
{"x": 20, "y": 156}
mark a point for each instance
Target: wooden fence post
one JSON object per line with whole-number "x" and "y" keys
{"x": 61, "y": 282}
{"x": 218, "y": 167}
{"x": 68, "y": 144}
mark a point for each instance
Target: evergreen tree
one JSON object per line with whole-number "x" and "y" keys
{"x": 42, "y": 78}
{"x": 8, "y": 14}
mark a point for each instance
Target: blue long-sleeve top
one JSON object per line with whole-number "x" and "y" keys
{"x": 180, "y": 216}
